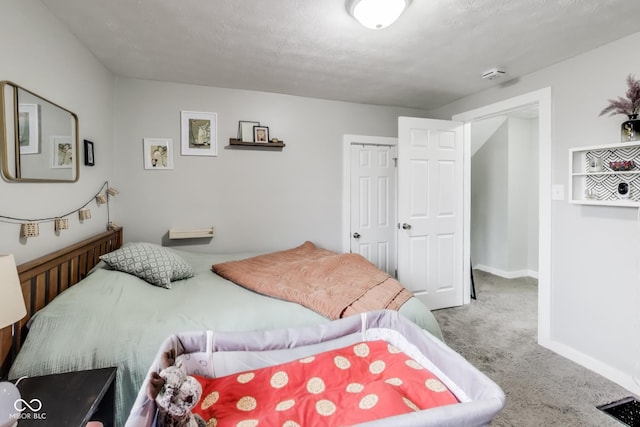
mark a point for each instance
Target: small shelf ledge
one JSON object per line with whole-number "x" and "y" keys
{"x": 237, "y": 144}
{"x": 191, "y": 233}
{"x": 632, "y": 172}
{"x": 618, "y": 203}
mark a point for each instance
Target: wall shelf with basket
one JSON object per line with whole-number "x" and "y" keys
{"x": 605, "y": 175}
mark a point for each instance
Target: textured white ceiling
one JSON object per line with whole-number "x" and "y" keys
{"x": 434, "y": 54}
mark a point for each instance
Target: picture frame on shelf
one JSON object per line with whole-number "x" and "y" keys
{"x": 199, "y": 133}
{"x": 261, "y": 134}
{"x": 28, "y": 129}
{"x": 245, "y": 130}
{"x": 89, "y": 155}
{"x": 158, "y": 153}
{"x": 61, "y": 152}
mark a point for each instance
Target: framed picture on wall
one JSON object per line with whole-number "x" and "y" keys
{"x": 198, "y": 133}
{"x": 28, "y": 129}
{"x": 89, "y": 155}
{"x": 61, "y": 152}
{"x": 245, "y": 130}
{"x": 261, "y": 134}
{"x": 158, "y": 153}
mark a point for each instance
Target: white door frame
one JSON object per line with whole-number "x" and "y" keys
{"x": 347, "y": 141}
{"x": 541, "y": 98}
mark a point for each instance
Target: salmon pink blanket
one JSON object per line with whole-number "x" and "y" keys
{"x": 334, "y": 285}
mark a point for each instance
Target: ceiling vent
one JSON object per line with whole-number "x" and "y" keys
{"x": 493, "y": 74}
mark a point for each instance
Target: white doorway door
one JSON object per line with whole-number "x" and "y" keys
{"x": 430, "y": 210}
{"x": 373, "y": 197}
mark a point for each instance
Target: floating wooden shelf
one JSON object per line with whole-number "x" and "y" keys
{"x": 236, "y": 143}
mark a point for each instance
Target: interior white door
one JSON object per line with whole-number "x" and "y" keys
{"x": 430, "y": 210}
{"x": 373, "y": 196}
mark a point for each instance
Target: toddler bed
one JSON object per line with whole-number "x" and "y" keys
{"x": 372, "y": 369}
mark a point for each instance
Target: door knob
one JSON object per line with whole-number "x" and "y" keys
{"x": 406, "y": 226}
{"x": 356, "y": 235}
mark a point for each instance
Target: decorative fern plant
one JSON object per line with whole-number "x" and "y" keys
{"x": 630, "y": 104}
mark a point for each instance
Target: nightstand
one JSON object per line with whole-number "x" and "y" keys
{"x": 70, "y": 399}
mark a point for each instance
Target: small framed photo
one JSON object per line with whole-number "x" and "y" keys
{"x": 158, "y": 153}
{"x": 89, "y": 156}
{"x": 61, "y": 152}
{"x": 199, "y": 132}
{"x": 28, "y": 129}
{"x": 245, "y": 130}
{"x": 261, "y": 134}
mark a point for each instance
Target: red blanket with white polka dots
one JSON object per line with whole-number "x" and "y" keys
{"x": 351, "y": 385}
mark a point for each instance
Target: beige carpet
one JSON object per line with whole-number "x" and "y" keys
{"x": 497, "y": 334}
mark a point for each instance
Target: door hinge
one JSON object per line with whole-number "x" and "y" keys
{"x": 395, "y": 162}
{"x": 395, "y": 273}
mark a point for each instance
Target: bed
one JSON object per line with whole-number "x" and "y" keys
{"x": 109, "y": 318}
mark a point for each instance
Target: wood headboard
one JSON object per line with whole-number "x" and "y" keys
{"x": 43, "y": 278}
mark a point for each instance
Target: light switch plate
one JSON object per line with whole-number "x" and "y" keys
{"x": 557, "y": 192}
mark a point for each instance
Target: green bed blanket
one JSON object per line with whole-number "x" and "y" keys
{"x": 115, "y": 319}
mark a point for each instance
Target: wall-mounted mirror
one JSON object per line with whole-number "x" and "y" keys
{"x": 38, "y": 140}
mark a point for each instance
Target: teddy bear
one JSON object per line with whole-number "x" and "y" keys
{"x": 175, "y": 393}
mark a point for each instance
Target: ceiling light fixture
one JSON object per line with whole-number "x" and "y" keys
{"x": 376, "y": 14}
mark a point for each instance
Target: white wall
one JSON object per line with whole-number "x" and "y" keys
{"x": 503, "y": 207}
{"x": 489, "y": 201}
{"x": 533, "y": 202}
{"x": 523, "y": 172}
{"x": 38, "y": 53}
{"x": 595, "y": 286}
{"x": 257, "y": 200}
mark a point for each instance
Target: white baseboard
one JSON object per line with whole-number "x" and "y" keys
{"x": 507, "y": 274}
{"x": 621, "y": 378}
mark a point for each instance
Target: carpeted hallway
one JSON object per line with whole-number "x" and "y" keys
{"x": 497, "y": 334}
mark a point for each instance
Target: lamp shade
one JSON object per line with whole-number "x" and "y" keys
{"x": 376, "y": 14}
{"x": 12, "y": 307}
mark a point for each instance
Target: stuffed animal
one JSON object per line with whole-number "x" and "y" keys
{"x": 175, "y": 393}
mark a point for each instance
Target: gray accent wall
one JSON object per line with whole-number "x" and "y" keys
{"x": 256, "y": 199}
{"x": 41, "y": 55}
